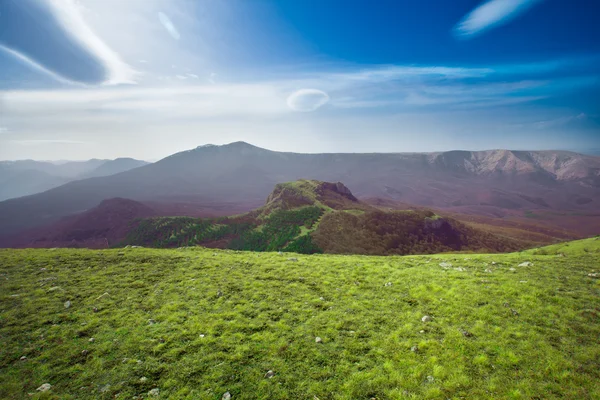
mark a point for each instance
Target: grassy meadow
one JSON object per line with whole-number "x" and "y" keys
{"x": 195, "y": 323}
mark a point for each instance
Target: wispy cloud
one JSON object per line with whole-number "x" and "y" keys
{"x": 307, "y": 100}
{"x": 3, "y": 129}
{"x": 68, "y": 13}
{"x": 166, "y": 22}
{"x": 491, "y": 14}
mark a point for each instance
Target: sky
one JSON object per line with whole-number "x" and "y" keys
{"x": 84, "y": 79}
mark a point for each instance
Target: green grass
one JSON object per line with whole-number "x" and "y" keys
{"x": 533, "y": 330}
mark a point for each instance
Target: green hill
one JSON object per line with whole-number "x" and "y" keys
{"x": 308, "y": 216}
{"x": 195, "y": 323}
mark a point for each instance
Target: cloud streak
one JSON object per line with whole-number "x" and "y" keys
{"x": 491, "y": 14}
{"x": 307, "y": 100}
{"x": 166, "y": 22}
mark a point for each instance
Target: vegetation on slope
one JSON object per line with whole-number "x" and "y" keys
{"x": 195, "y": 323}
{"x": 314, "y": 217}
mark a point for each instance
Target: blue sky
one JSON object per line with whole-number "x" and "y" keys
{"x": 147, "y": 78}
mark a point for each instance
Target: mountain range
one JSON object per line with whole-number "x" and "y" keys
{"x": 500, "y": 183}
{"x": 27, "y": 177}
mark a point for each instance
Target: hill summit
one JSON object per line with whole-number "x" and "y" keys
{"x": 309, "y": 216}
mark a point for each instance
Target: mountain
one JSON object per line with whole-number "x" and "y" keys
{"x": 244, "y": 175}
{"x": 26, "y": 177}
{"x": 99, "y": 227}
{"x": 310, "y": 216}
{"x": 112, "y": 167}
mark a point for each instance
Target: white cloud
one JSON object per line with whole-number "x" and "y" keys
{"x": 3, "y": 129}
{"x": 68, "y": 14}
{"x": 166, "y": 22}
{"x": 490, "y": 14}
{"x": 307, "y": 100}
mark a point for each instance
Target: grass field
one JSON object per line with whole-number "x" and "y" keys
{"x": 194, "y": 323}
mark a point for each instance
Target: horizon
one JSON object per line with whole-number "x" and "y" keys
{"x": 589, "y": 152}
{"x": 149, "y": 78}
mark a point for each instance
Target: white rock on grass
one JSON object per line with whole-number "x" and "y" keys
{"x": 446, "y": 265}
{"x": 525, "y": 264}
{"x": 426, "y": 318}
{"x": 67, "y": 304}
{"x": 154, "y": 393}
{"x": 318, "y": 340}
{"x": 44, "y": 388}
{"x": 269, "y": 374}
{"x": 226, "y": 396}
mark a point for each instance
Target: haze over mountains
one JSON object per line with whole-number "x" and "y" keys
{"x": 25, "y": 177}
{"x": 475, "y": 182}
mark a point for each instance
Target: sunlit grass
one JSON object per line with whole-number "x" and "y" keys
{"x": 196, "y": 323}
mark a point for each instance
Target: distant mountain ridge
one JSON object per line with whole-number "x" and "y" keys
{"x": 25, "y": 177}
{"x": 245, "y": 174}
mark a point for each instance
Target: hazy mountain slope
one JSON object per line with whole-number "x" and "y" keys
{"x": 113, "y": 167}
{"x": 99, "y": 227}
{"x": 27, "y": 177}
{"x": 242, "y": 173}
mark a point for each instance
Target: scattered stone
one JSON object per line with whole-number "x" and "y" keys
{"x": 466, "y": 333}
{"x": 23, "y": 358}
{"x": 388, "y": 284}
{"x": 506, "y": 304}
{"x": 95, "y": 309}
{"x": 421, "y": 331}
{"x": 318, "y": 340}
{"x": 138, "y": 361}
{"x": 426, "y": 318}
{"x": 67, "y": 304}
{"x": 489, "y": 271}
{"x": 430, "y": 379}
{"x": 54, "y": 288}
{"x": 525, "y": 264}
{"x": 226, "y": 396}
{"x": 512, "y": 269}
{"x": 161, "y": 340}
{"x": 84, "y": 352}
{"x": 493, "y": 262}
{"x": 42, "y": 269}
{"x": 446, "y": 265}
{"x": 125, "y": 360}
{"x": 104, "y": 388}
{"x": 154, "y": 392}
{"x": 151, "y": 322}
{"x": 280, "y": 253}
{"x": 143, "y": 379}
{"x": 522, "y": 281}
{"x": 44, "y": 388}
{"x": 594, "y": 275}
{"x": 269, "y": 374}
{"x": 460, "y": 269}
{"x": 201, "y": 336}
{"x": 414, "y": 349}
{"x": 219, "y": 293}
{"x": 514, "y": 312}
{"x": 293, "y": 259}
{"x": 91, "y": 340}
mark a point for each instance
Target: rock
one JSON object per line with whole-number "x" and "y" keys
{"x": 23, "y": 358}
{"x": 446, "y": 265}
{"x": 594, "y": 275}
{"x": 525, "y": 264}
{"x": 514, "y": 312}
{"x": 154, "y": 392}
{"x": 151, "y": 322}
{"x": 506, "y": 304}
{"x": 219, "y": 293}
{"x": 201, "y": 336}
{"x": 466, "y": 333}
{"x": 269, "y": 374}
{"x": 421, "y": 331}
{"x": 226, "y": 396}
{"x": 143, "y": 379}
{"x": 42, "y": 269}
{"x": 430, "y": 379}
{"x": 460, "y": 269}
{"x": 493, "y": 262}
{"x": 512, "y": 269}
{"x": 67, "y": 304}
{"x": 95, "y": 309}
{"x": 280, "y": 253}
{"x": 318, "y": 340}
{"x": 426, "y": 318}
{"x": 44, "y": 388}
{"x": 489, "y": 271}
{"x": 84, "y": 352}
{"x": 91, "y": 340}
{"x": 414, "y": 349}
{"x": 54, "y": 288}
{"x": 293, "y": 259}
{"x": 388, "y": 284}
{"x": 104, "y": 388}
